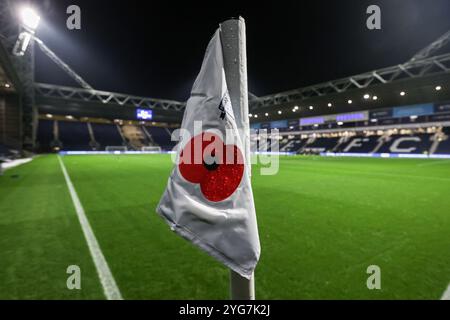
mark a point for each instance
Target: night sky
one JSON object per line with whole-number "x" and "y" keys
{"x": 155, "y": 48}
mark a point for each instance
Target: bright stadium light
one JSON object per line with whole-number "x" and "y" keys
{"x": 438, "y": 88}
{"x": 349, "y": 101}
{"x": 266, "y": 114}
{"x": 366, "y": 96}
{"x": 7, "y": 85}
{"x": 340, "y": 123}
{"x": 293, "y": 110}
{"x": 30, "y": 19}
{"x": 279, "y": 112}
{"x": 403, "y": 93}
{"x": 250, "y": 115}
{"x": 311, "y": 107}
{"x": 48, "y": 115}
{"x": 374, "y": 98}
{"x": 329, "y": 104}
{"x": 255, "y": 116}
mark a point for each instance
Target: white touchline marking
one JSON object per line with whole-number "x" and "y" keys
{"x": 110, "y": 288}
{"x": 433, "y": 163}
{"x": 446, "y": 295}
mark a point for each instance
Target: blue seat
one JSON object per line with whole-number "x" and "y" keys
{"x": 74, "y": 136}
{"x": 162, "y": 137}
{"x": 107, "y": 135}
{"x": 45, "y": 135}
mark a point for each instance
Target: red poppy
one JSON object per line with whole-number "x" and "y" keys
{"x": 217, "y": 167}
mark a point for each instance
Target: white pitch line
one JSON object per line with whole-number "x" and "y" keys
{"x": 446, "y": 295}
{"x": 433, "y": 163}
{"x": 110, "y": 288}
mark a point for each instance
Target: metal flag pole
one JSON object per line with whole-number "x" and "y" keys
{"x": 235, "y": 65}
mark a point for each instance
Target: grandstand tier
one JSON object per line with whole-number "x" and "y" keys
{"x": 86, "y": 136}
{"x": 74, "y": 135}
{"x": 45, "y": 135}
{"x": 162, "y": 137}
{"x": 107, "y": 135}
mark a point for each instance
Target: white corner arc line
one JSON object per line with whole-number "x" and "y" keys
{"x": 109, "y": 285}
{"x": 446, "y": 295}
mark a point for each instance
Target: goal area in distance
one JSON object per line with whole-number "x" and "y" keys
{"x": 116, "y": 148}
{"x": 155, "y": 149}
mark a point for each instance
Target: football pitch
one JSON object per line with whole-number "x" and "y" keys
{"x": 322, "y": 222}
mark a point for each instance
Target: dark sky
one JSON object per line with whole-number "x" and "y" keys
{"x": 155, "y": 48}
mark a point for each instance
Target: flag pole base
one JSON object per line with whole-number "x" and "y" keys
{"x": 241, "y": 288}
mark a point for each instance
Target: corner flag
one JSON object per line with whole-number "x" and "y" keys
{"x": 209, "y": 198}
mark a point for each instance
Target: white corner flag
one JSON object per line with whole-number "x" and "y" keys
{"x": 209, "y": 198}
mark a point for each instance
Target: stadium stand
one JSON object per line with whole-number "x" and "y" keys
{"x": 4, "y": 151}
{"x": 135, "y": 136}
{"x": 291, "y": 144}
{"x": 321, "y": 144}
{"x": 74, "y": 136}
{"x": 107, "y": 135}
{"x": 85, "y": 136}
{"x": 415, "y": 143}
{"x": 358, "y": 144}
{"x": 148, "y": 137}
{"x": 45, "y": 136}
{"x": 392, "y": 134}
{"x": 444, "y": 142}
{"x": 162, "y": 137}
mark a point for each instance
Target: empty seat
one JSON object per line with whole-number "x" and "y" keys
{"x": 107, "y": 135}
{"x": 74, "y": 136}
{"x": 417, "y": 143}
{"x": 45, "y": 135}
{"x": 359, "y": 144}
{"x": 161, "y": 137}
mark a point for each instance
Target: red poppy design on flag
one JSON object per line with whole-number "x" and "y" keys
{"x": 217, "y": 167}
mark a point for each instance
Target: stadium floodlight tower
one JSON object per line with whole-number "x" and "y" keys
{"x": 30, "y": 21}
{"x": 20, "y": 24}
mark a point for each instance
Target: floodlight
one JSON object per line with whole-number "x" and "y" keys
{"x": 438, "y": 88}
{"x": 350, "y": 101}
{"x": 30, "y": 18}
{"x": 403, "y": 93}
{"x": 375, "y": 98}
{"x": 311, "y": 107}
{"x": 329, "y": 104}
{"x": 366, "y": 96}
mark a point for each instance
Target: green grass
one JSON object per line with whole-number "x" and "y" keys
{"x": 322, "y": 222}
